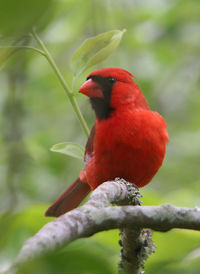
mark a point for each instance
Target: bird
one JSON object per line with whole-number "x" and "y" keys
{"x": 128, "y": 139}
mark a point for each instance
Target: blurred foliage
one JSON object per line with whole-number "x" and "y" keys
{"x": 18, "y": 17}
{"x": 161, "y": 48}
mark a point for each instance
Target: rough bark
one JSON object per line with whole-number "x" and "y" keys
{"x": 96, "y": 215}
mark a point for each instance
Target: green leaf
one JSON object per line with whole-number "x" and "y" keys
{"x": 68, "y": 148}
{"x": 94, "y": 50}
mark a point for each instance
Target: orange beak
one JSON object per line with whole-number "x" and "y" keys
{"x": 91, "y": 89}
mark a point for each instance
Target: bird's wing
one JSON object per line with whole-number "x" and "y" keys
{"x": 76, "y": 192}
{"x": 89, "y": 146}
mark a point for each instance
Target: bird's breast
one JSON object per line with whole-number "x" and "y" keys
{"x": 130, "y": 145}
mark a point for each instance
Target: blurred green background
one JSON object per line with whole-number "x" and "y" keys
{"x": 161, "y": 48}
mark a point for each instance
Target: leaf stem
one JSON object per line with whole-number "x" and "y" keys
{"x": 22, "y": 47}
{"x": 68, "y": 91}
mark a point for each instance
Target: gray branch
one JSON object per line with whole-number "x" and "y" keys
{"x": 96, "y": 215}
{"x": 137, "y": 246}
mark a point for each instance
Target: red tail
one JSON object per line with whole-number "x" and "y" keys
{"x": 70, "y": 199}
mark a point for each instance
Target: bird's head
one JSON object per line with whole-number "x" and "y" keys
{"x": 110, "y": 89}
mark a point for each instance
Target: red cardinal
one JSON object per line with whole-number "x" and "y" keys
{"x": 128, "y": 139}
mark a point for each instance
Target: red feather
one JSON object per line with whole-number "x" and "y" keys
{"x": 127, "y": 141}
{"x": 70, "y": 199}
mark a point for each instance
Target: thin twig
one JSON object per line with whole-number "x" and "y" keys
{"x": 15, "y": 48}
{"x": 67, "y": 89}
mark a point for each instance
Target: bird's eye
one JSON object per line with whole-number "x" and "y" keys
{"x": 111, "y": 80}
